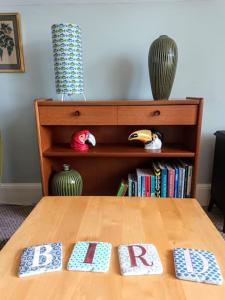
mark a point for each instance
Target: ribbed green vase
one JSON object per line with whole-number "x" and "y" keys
{"x": 67, "y": 183}
{"x": 162, "y": 64}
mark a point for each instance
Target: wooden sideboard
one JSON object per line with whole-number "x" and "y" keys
{"x": 103, "y": 166}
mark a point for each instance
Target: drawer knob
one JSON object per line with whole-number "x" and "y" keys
{"x": 156, "y": 113}
{"x": 77, "y": 113}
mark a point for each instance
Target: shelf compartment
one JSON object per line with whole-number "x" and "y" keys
{"x": 118, "y": 150}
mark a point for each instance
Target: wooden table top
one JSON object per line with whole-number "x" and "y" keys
{"x": 167, "y": 223}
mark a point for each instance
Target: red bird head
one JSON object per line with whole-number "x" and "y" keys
{"x": 79, "y": 139}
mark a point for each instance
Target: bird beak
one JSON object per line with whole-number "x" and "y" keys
{"x": 133, "y": 136}
{"x": 91, "y": 139}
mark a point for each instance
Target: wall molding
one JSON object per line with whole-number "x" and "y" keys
{"x": 30, "y": 193}
{"x": 20, "y": 193}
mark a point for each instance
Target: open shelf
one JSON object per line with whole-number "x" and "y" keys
{"x": 118, "y": 150}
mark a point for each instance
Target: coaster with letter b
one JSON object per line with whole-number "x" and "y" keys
{"x": 40, "y": 259}
{"x": 196, "y": 265}
{"x": 139, "y": 259}
{"x": 90, "y": 257}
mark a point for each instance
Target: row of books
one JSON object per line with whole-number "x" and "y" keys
{"x": 164, "y": 179}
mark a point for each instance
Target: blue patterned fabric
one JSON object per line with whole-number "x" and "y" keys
{"x": 101, "y": 257}
{"x": 196, "y": 265}
{"x": 41, "y": 258}
{"x": 68, "y": 65}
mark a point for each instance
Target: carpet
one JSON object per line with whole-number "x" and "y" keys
{"x": 11, "y": 217}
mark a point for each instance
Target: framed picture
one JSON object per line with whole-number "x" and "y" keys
{"x": 11, "y": 49}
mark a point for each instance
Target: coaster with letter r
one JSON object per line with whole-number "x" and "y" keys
{"x": 139, "y": 259}
{"x": 196, "y": 265}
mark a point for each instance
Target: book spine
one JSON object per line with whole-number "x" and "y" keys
{"x": 171, "y": 177}
{"x": 139, "y": 186}
{"x": 157, "y": 182}
{"x": 152, "y": 185}
{"x": 129, "y": 185}
{"x": 181, "y": 183}
{"x": 179, "y": 195}
{"x": 136, "y": 188}
{"x": 121, "y": 188}
{"x": 163, "y": 183}
{"x": 176, "y": 183}
{"x": 185, "y": 180}
{"x": 133, "y": 188}
{"x": 147, "y": 186}
{"x": 189, "y": 181}
{"x": 142, "y": 186}
{"x": 125, "y": 188}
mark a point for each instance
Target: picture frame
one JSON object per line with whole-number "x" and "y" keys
{"x": 11, "y": 48}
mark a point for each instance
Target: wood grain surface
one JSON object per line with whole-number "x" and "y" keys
{"x": 167, "y": 223}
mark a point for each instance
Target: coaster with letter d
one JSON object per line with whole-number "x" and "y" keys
{"x": 90, "y": 257}
{"x": 139, "y": 259}
{"x": 40, "y": 259}
{"x": 196, "y": 265}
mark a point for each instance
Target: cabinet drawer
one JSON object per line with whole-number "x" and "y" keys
{"x": 77, "y": 115}
{"x": 158, "y": 115}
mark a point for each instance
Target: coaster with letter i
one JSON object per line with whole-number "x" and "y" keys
{"x": 90, "y": 257}
{"x": 40, "y": 259}
{"x": 196, "y": 265}
{"x": 139, "y": 259}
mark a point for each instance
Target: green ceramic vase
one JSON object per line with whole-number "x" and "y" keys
{"x": 67, "y": 183}
{"x": 162, "y": 63}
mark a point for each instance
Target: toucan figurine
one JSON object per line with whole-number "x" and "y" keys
{"x": 151, "y": 139}
{"x": 80, "y": 138}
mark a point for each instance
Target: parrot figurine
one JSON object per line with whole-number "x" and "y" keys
{"x": 151, "y": 139}
{"x": 80, "y": 138}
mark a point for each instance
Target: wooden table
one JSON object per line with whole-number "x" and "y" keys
{"x": 167, "y": 223}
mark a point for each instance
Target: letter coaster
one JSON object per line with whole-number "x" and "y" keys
{"x": 196, "y": 265}
{"x": 90, "y": 257}
{"x": 40, "y": 259}
{"x": 139, "y": 259}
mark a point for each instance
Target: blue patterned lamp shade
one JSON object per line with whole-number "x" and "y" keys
{"x": 67, "y": 50}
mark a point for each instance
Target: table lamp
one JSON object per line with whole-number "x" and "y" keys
{"x": 68, "y": 65}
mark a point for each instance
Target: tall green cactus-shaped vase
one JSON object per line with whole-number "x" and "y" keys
{"x": 68, "y": 182}
{"x": 162, "y": 63}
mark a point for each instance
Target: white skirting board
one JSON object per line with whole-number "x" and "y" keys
{"x": 30, "y": 193}
{"x": 20, "y": 193}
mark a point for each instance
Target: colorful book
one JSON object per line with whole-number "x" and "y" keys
{"x": 139, "y": 183}
{"x": 180, "y": 181}
{"x": 41, "y": 259}
{"x": 176, "y": 180}
{"x": 152, "y": 184}
{"x": 196, "y": 265}
{"x": 170, "y": 180}
{"x": 185, "y": 166}
{"x": 143, "y": 183}
{"x": 90, "y": 257}
{"x": 139, "y": 259}
{"x": 157, "y": 173}
{"x": 122, "y": 189}
{"x": 163, "y": 188}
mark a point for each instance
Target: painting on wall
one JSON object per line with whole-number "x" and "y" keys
{"x": 11, "y": 49}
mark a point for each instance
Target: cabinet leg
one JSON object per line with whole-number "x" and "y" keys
{"x": 211, "y": 202}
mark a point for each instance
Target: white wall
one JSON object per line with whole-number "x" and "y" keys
{"x": 116, "y": 39}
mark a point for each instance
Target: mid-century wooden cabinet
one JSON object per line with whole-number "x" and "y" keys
{"x": 103, "y": 166}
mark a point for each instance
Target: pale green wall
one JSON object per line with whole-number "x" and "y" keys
{"x": 116, "y": 40}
